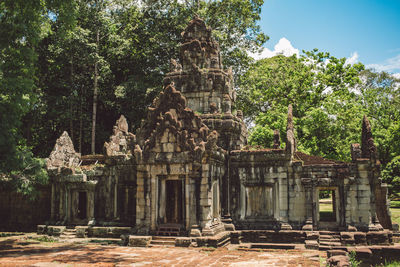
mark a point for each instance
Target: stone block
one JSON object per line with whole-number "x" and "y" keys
{"x": 360, "y": 238}
{"x": 312, "y": 235}
{"x": 311, "y": 244}
{"x": 116, "y": 232}
{"x": 55, "y": 230}
{"x": 336, "y": 252}
{"x": 377, "y": 238}
{"x": 81, "y": 231}
{"x": 139, "y": 241}
{"x": 347, "y": 238}
{"x": 98, "y": 231}
{"x": 236, "y": 237}
{"x": 183, "y": 241}
{"x": 41, "y": 229}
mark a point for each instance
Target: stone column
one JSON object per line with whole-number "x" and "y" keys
{"x": 308, "y": 188}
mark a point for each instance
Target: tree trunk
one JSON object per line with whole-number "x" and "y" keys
{"x": 95, "y": 97}
{"x": 80, "y": 121}
{"x": 71, "y": 116}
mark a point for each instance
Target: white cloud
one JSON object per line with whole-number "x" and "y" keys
{"x": 389, "y": 65}
{"x": 283, "y": 47}
{"x": 352, "y": 59}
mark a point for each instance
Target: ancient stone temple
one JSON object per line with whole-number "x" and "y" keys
{"x": 188, "y": 168}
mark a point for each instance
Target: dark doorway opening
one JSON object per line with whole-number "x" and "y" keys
{"x": 327, "y": 205}
{"x": 174, "y": 203}
{"x": 82, "y": 203}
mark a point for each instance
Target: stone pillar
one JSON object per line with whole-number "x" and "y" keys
{"x": 308, "y": 188}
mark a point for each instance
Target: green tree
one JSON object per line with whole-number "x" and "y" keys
{"x": 136, "y": 43}
{"x": 321, "y": 89}
{"x": 391, "y": 175}
{"x": 22, "y": 25}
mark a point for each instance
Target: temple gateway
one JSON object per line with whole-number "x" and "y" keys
{"x": 188, "y": 170}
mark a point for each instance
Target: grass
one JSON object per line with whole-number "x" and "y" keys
{"x": 392, "y": 264}
{"x": 395, "y": 204}
{"x": 7, "y": 234}
{"x": 395, "y": 215}
{"x": 325, "y": 207}
{"x": 44, "y": 238}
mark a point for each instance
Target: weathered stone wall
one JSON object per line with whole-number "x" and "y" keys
{"x": 318, "y": 177}
{"x": 263, "y": 172}
{"x": 18, "y": 213}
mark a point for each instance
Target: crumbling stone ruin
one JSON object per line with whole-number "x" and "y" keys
{"x": 189, "y": 172}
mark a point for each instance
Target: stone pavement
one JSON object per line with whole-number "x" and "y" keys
{"x": 27, "y": 251}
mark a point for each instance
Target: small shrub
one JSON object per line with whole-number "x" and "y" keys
{"x": 45, "y": 238}
{"x": 353, "y": 261}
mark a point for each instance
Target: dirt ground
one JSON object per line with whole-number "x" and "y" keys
{"x": 34, "y": 250}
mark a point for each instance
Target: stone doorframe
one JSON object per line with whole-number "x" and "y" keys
{"x": 162, "y": 205}
{"x": 336, "y": 203}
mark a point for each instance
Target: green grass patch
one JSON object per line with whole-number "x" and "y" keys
{"x": 10, "y": 234}
{"x": 395, "y": 215}
{"x": 325, "y": 207}
{"x": 45, "y": 238}
{"x": 391, "y": 264}
{"x": 395, "y": 203}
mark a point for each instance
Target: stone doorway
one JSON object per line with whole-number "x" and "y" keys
{"x": 82, "y": 205}
{"x": 327, "y": 208}
{"x": 174, "y": 203}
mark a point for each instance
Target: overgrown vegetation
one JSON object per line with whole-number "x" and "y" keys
{"x": 76, "y": 65}
{"x": 352, "y": 259}
{"x": 61, "y": 62}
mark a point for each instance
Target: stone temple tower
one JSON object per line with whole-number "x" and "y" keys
{"x": 206, "y": 85}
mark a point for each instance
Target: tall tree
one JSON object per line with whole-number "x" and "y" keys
{"x": 23, "y": 23}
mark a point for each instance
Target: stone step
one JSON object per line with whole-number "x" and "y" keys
{"x": 162, "y": 242}
{"x": 311, "y": 244}
{"x": 335, "y": 235}
{"x": 325, "y": 248}
{"x": 332, "y": 244}
{"x": 328, "y": 233}
{"x": 324, "y": 237}
{"x": 164, "y": 238}
{"x": 272, "y": 246}
{"x": 329, "y": 240}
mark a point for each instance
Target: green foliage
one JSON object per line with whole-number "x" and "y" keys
{"x": 353, "y": 260}
{"x": 136, "y": 45}
{"x": 45, "y": 238}
{"x": 395, "y": 204}
{"x": 395, "y": 214}
{"x": 48, "y": 51}
{"x": 316, "y": 84}
{"x": 29, "y": 174}
{"x": 324, "y": 193}
{"x": 329, "y": 99}
{"x": 391, "y": 175}
{"x": 392, "y": 264}
{"x": 22, "y": 25}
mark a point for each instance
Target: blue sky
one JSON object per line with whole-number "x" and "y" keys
{"x": 364, "y": 30}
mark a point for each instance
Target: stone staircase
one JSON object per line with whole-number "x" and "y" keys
{"x": 169, "y": 230}
{"x": 162, "y": 241}
{"x": 68, "y": 233}
{"x": 329, "y": 240}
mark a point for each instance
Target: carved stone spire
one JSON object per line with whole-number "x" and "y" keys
{"x": 201, "y": 77}
{"x": 290, "y": 139}
{"x": 199, "y": 50}
{"x": 122, "y": 141}
{"x": 63, "y": 154}
{"x": 368, "y": 148}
